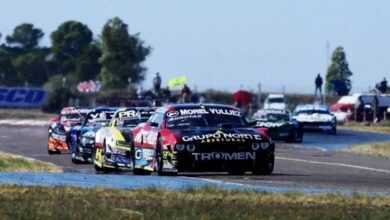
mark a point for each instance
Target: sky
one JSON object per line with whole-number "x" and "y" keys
{"x": 229, "y": 44}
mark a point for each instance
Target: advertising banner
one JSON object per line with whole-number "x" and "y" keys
{"x": 21, "y": 97}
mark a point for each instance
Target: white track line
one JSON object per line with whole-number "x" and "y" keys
{"x": 333, "y": 164}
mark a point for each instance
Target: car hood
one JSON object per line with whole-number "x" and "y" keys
{"x": 219, "y": 135}
{"x": 314, "y": 117}
{"x": 271, "y": 124}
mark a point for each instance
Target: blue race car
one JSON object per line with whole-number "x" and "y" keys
{"x": 83, "y": 138}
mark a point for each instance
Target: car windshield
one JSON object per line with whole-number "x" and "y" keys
{"x": 205, "y": 120}
{"x": 272, "y": 117}
{"x": 98, "y": 119}
{"x": 310, "y": 112}
{"x": 276, "y": 100}
{"x": 131, "y": 122}
{"x": 71, "y": 118}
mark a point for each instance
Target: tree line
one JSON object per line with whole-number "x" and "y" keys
{"x": 74, "y": 54}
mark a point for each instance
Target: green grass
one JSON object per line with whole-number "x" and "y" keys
{"x": 24, "y": 114}
{"x": 14, "y": 163}
{"x": 382, "y": 128}
{"x": 22, "y": 202}
{"x": 376, "y": 149}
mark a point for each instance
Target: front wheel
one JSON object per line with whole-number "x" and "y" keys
{"x": 265, "y": 168}
{"x": 159, "y": 160}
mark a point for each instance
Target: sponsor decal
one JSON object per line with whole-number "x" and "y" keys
{"x": 101, "y": 116}
{"x": 126, "y": 115}
{"x": 74, "y": 111}
{"x": 58, "y": 137}
{"x": 203, "y": 111}
{"x": 225, "y": 112}
{"x": 147, "y": 137}
{"x": 225, "y": 156}
{"x": 269, "y": 124}
{"x": 147, "y": 154}
{"x": 193, "y": 111}
{"x": 184, "y": 117}
{"x": 21, "y": 97}
{"x": 173, "y": 114}
{"x": 220, "y": 136}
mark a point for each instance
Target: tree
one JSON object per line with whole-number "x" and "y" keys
{"x": 7, "y": 77}
{"x": 122, "y": 57}
{"x": 31, "y": 68}
{"x": 25, "y": 36}
{"x": 338, "y": 75}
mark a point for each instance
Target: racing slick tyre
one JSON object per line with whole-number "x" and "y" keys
{"x": 334, "y": 130}
{"x": 237, "y": 172}
{"x": 264, "y": 168}
{"x": 295, "y": 137}
{"x": 159, "y": 160}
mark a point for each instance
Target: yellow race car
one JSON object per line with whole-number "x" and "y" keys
{"x": 113, "y": 144}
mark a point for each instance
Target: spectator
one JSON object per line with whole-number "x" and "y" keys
{"x": 157, "y": 83}
{"x": 185, "y": 94}
{"x": 318, "y": 83}
{"x": 167, "y": 93}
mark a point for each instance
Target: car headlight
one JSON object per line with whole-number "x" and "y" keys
{"x": 86, "y": 140}
{"x": 180, "y": 147}
{"x": 264, "y": 145}
{"x": 255, "y": 146}
{"x": 191, "y": 147}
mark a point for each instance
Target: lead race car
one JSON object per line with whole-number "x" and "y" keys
{"x": 279, "y": 124}
{"x": 83, "y": 138}
{"x": 316, "y": 117}
{"x": 59, "y": 130}
{"x": 113, "y": 144}
{"x": 201, "y": 137}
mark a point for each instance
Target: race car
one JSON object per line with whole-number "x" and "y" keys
{"x": 201, "y": 137}
{"x": 83, "y": 138}
{"x": 279, "y": 124}
{"x": 315, "y": 117}
{"x": 113, "y": 144}
{"x": 59, "y": 129}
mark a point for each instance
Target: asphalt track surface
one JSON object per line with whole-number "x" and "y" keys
{"x": 314, "y": 164}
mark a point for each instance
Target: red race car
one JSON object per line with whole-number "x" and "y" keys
{"x": 201, "y": 137}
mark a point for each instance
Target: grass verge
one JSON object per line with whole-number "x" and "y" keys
{"x": 15, "y": 163}
{"x": 375, "y": 149}
{"x": 32, "y": 202}
{"x": 382, "y": 128}
{"x": 10, "y": 113}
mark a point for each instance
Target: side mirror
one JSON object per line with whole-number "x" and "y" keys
{"x": 53, "y": 120}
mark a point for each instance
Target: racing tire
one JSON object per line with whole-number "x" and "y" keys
{"x": 237, "y": 172}
{"x": 334, "y": 130}
{"x": 159, "y": 160}
{"x": 264, "y": 169}
{"x": 98, "y": 169}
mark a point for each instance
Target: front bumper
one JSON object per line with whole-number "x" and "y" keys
{"x": 218, "y": 159}
{"x": 323, "y": 126}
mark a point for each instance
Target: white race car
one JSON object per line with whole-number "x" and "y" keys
{"x": 315, "y": 117}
